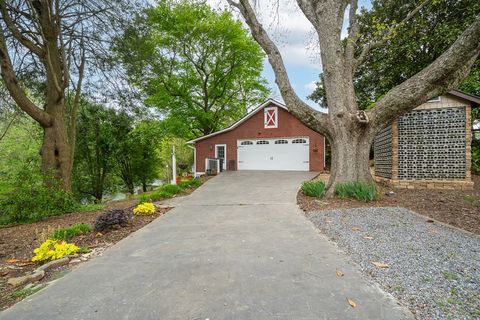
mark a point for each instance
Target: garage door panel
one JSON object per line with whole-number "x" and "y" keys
{"x": 271, "y": 156}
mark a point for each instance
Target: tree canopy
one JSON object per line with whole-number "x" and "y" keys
{"x": 55, "y": 45}
{"x": 199, "y": 67}
{"x": 114, "y": 148}
{"x": 412, "y": 47}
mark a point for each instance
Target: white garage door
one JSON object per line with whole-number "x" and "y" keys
{"x": 273, "y": 154}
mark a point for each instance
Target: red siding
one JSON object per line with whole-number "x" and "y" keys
{"x": 253, "y": 128}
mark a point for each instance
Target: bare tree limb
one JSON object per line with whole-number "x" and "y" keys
{"x": 49, "y": 32}
{"x": 313, "y": 119}
{"x": 13, "y": 86}
{"x": 440, "y": 76}
{"x": 54, "y": 75}
{"x": 18, "y": 34}
{"x": 78, "y": 93}
{"x": 8, "y": 126}
{"x": 381, "y": 42}
{"x": 352, "y": 31}
{"x": 309, "y": 11}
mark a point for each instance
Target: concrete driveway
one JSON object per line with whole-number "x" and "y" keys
{"x": 237, "y": 248}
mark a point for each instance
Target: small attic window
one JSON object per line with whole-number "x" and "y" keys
{"x": 435, "y": 99}
{"x": 270, "y": 117}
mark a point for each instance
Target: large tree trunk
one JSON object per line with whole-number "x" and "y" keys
{"x": 56, "y": 149}
{"x": 56, "y": 152}
{"x": 98, "y": 193}
{"x": 130, "y": 186}
{"x": 350, "y": 158}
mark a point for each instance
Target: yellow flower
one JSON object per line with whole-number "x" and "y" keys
{"x": 53, "y": 250}
{"x": 146, "y": 208}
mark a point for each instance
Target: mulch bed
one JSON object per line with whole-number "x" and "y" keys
{"x": 459, "y": 208}
{"x": 18, "y": 242}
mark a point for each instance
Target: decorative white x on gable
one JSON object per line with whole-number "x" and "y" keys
{"x": 271, "y": 117}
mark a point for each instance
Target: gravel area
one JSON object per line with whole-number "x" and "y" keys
{"x": 433, "y": 269}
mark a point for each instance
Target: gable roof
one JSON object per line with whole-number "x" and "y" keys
{"x": 466, "y": 96}
{"x": 245, "y": 118}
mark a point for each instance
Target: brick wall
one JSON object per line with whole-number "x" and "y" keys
{"x": 253, "y": 128}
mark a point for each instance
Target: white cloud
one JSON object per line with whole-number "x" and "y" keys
{"x": 289, "y": 29}
{"x": 312, "y": 85}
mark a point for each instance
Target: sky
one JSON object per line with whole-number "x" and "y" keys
{"x": 295, "y": 38}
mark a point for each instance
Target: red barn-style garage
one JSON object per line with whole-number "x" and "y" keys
{"x": 267, "y": 138}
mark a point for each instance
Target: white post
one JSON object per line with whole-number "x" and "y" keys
{"x": 174, "y": 167}
{"x": 168, "y": 172}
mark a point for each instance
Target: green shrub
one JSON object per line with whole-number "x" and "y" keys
{"x": 189, "y": 183}
{"x": 170, "y": 189}
{"x": 31, "y": 200}
{"x": 476, "y": 157}
{"x": 25, "y": 292}
{"x": 161, "y": 194}
{"x": 154, "y": 196}
{"x": 70, "y": 232}
{"x": 358, "y": 190}
{"x": 164, "y": 192}
{"x": 147, "y": 197}
{"x": 91, "y": 207}
{"x": 314, "y": 188}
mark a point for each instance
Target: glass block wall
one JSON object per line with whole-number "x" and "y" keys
{"x": 432, "y": 145}
{"x": 382, "y": 148}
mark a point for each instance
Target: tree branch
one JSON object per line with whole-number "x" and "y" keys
{"x": 381, "y": 42}
{"x": 17, "y": 34}
{"x": 352, "y": 31}
{"x": 8, "y": 126}
{"x": 440, "y": 76}
{"x": 13, "y": 86}
{"x": 313, "y": 119}
{"x": 309, "y": 11}
{"x": 76, "y": 101}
